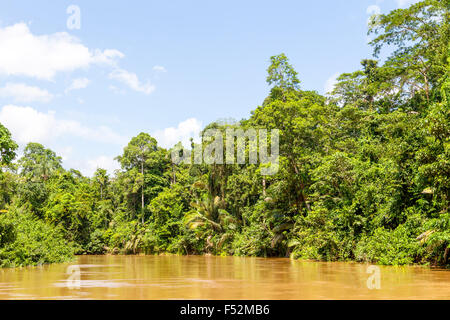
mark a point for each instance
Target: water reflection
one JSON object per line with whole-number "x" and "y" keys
{"x": 208, "y": 277}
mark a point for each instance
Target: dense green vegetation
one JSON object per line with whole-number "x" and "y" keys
{"x": 364, "y": 173}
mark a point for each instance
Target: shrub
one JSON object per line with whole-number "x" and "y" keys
{"x": 387, "y": 247}
{"x": 29, "y": 241}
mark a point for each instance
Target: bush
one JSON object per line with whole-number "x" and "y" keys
{"x": 315, "y": 238}
{"x": 98, "y": 241}
{"x": 436, "y": 240}
{"x": 387, "y": 247}
{"x": 29, "y": 241}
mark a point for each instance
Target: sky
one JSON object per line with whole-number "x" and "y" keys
{"x": 84, "y": 77}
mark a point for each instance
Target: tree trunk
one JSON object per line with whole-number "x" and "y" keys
{"x": 173, "y": 174}
{"x": 142, "y": 192}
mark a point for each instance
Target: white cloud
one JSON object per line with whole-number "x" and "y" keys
{"x": 79, "y": 83}
{"x": 116, "y": 90}
{"x": 159, "y": 69}
{"x": 183, "y": 132}
{"x": 42, "y": 56}
{"x": 107, "y": 56}
{"x": 65, "y": 152}
{"x": 330, "y": 83}
{"x": 373, "y": 9}
{"x": 29, "y": 125}
{"x": 399, "y": 3}
{"x": 405, "y": 3}
{"x": 21, "y": 92}
{"x": 104, "y": 162}
{"x": 132, "y": 81}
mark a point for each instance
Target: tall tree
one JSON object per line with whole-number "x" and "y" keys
{"x": 146, "y": 162}
{"x": 7, "y": 146}
{"x": 282, "y": 77}
{"x": 38, "y": 163}
{"x": 281, "y": 74}
{"x": 101, "y": 178}
{"x": 420, "y": 34}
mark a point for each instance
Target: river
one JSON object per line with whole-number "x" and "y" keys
{"x": 208, "y": 277}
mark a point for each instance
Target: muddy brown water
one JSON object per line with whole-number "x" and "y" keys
{"x": 208, "y": 277}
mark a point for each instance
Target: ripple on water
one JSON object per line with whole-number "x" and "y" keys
{"x": 94, "y": 284}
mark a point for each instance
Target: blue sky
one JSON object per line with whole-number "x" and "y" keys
{"x": 163, "y": 67}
